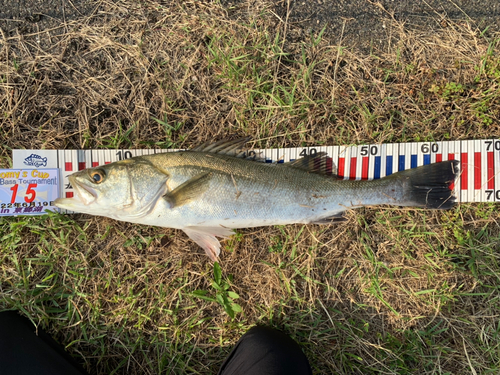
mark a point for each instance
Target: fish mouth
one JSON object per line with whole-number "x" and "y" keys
{"x": 85, "y": 195}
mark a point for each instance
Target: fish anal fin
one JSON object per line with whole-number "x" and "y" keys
{"x": 205, "y": 238}
{"x": 188, "y": 190}
{"x": 319, "y": 163}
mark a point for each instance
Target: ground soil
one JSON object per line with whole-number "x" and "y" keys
{"x": 355, "y": 23}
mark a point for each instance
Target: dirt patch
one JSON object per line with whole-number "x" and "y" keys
{"x": 363, "y": 24}
{"x": 367, "y": 25}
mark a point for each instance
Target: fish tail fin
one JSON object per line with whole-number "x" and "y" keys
{"x": 429, "y": 185}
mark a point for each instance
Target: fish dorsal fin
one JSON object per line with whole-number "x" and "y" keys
{"x": 188, "y": 190}
{"x": 317, "y": 163}
{"x": 234, "y": 147}
{"x": 231, "y": 147}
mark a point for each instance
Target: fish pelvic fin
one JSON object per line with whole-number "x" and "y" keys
{"x": 429, "y": 185}
{"x": 205, "y": 238}
{"x": 188, "y": 191}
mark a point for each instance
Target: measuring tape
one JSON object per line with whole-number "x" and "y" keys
{"x": 479, "y": 179}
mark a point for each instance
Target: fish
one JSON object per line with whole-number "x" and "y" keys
{"x": 35, "y": 160}
{"x": 210, "y": 190}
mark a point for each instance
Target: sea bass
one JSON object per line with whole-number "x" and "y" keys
{"x": 212, "y": 189}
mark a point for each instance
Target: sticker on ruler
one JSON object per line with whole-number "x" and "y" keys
{"x": 479, "y": 179}
{"x": 28, "y": 191}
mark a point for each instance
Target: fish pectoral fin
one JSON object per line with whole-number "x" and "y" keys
{"x": 205, "y": 237}
{"x": 189, "y": 190}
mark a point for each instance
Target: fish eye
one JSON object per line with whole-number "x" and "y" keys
{"x": 97, "y": 176}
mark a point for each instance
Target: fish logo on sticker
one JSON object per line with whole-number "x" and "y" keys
{"x": 35, "y": 160}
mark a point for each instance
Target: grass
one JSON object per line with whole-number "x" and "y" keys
{"x": 396, "y": 291}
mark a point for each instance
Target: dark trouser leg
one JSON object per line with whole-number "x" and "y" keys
{"x": 266, "y": 351}
{"x": 22, "y": 352}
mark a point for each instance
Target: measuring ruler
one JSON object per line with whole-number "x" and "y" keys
{"x": 479, "y": 179}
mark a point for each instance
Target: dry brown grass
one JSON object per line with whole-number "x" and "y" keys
{"x": 394, "y": 291}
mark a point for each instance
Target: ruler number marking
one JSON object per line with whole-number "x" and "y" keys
{"x": 489, "y": 144}
{"x": 489, "y": 194}
{"x": 373, "y": 150}
{"x": 312, "y": 152}
{"x": 121, "y": 155}
{"x": 432, "y": 147}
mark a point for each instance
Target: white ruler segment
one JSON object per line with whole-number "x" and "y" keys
{"x": 479, "y": 180}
